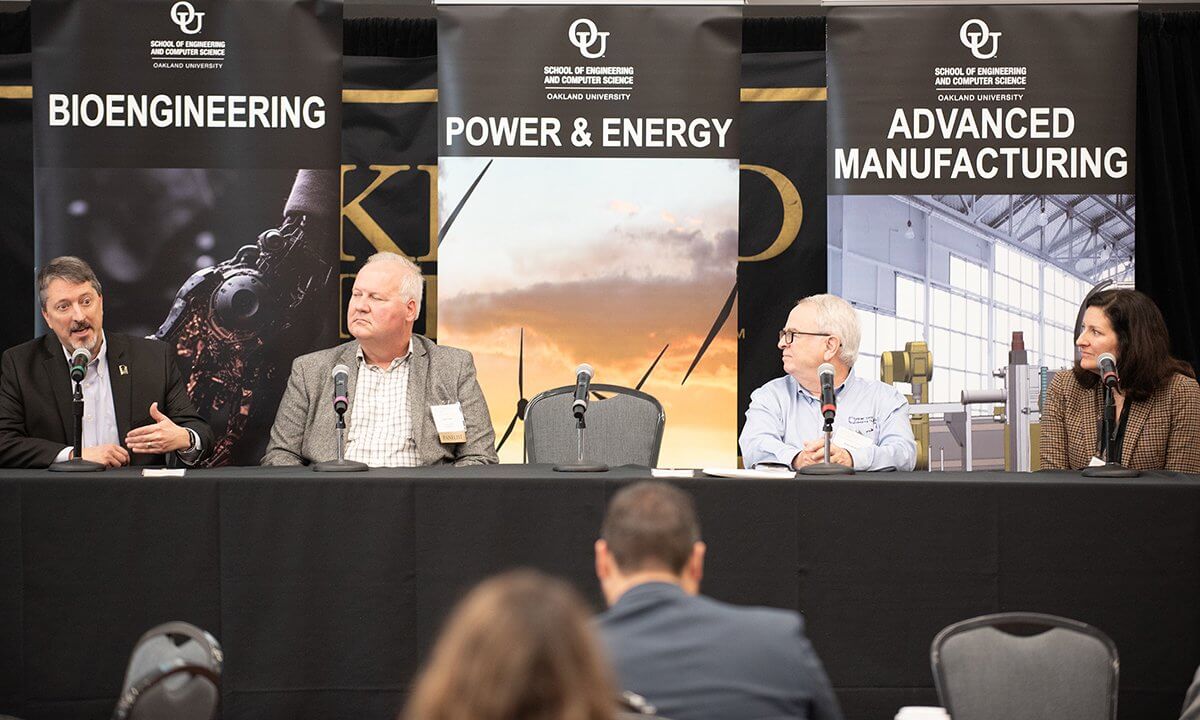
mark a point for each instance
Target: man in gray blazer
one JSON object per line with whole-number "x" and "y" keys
{"x": 409, "y": 399}
{"x": 691, "y": 657}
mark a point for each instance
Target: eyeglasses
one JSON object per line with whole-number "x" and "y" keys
{"x": 789, "y": 336}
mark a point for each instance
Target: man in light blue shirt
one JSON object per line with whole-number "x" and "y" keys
{"x": 783, "y": 422}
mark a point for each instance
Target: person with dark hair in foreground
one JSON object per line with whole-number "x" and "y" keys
{"x": 1157, "y": 400}
{"x": 691, "y": 657}
{"x": 518, "y": 647}
{"x": 136, "y": 406}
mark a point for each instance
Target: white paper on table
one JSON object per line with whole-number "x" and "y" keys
{"x": 672, "y": 472}
{"x": 749, "y": 474}
{"x": 162, "y": 472}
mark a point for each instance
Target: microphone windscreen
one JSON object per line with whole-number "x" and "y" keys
{"x": 826, "y": 369}
{"x": 1107, "y": 356}
{"x": 87, "y": 355}
{"x": 340, "y": 369}
{"x": 585, "y": 370}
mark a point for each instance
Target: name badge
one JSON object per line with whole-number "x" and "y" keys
{"x": 850, "y": 440}
{"x": 451, "y": 426}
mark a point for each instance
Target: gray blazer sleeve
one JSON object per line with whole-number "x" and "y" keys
{"x": 1191, "y": 702}
{"x": 287, "y": 434}
{"x": 480, "y": 447}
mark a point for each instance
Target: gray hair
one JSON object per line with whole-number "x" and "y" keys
{"x": 412, "y": 285}
{"x": 837, "y": 317}
{"x": 69, "y": 268}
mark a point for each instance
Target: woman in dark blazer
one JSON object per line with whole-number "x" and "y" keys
{"x": 1157, "y": 399}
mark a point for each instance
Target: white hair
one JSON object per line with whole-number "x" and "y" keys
{"x": 838, "y": 318}
{"x": 412, "y": 285}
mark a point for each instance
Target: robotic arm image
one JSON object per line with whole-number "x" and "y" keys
{"x": 237, "y": 325}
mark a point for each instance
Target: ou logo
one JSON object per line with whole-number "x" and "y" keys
{"x": 976, "y": 36}
{"x": 183, "y": 15}
{"x": 583, "y": 34}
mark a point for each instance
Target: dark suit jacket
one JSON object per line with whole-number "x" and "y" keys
{"x": 694, "y": 658}
{"x": 1161, "y": 433}
{"x": 36, "y": 417}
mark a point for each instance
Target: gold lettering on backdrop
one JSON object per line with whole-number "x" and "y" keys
{"x": 431, "y": 170}
{"x": 793, "y": 213}
{"x": 355, "y": 213}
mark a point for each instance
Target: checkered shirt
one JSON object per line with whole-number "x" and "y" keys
{"x": 381, "y": 431}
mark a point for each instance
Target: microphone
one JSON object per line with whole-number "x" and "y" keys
{"x": 583, "y": 378}
{"x": 79, "y": 362}
{"x": 341, "y": 376}
{"x": 828, "y": 400}
{"x": 1108, "y": 370}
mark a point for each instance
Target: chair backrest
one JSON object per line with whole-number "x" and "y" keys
{"x": 174, "y": 674}
{"x": 991, "y": 668}
{"x": 625, "y": 428}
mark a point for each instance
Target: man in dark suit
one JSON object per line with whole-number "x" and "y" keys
{"x": 692, "y": 657}
{"x": 136, "y": 406}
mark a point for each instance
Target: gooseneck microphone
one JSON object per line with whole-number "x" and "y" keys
{"x": 1108, "y": 370}
{"x": 79, "y": 362}
{"x": 828, "y": 399}
{"x": 341, "y": 376}
{"x": 583, "y": 379}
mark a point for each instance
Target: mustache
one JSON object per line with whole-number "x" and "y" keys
{"x": 78, "y": 327}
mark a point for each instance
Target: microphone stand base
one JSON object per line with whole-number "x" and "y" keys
{"x": 76, "y": 465}
{"x": 1110, "y": 470}
{"x": 339, "y": 466}
{"x": 826, "y": 469}
{"x": 581, "y": 467}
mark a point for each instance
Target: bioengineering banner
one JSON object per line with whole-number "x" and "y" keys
{"x": 189, "y": 151}
{"x": 588, "y": 183}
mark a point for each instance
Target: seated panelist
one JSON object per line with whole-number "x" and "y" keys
{"x": 1157, "y": 398}
{"x": 136, "y": 406}
{"x": 410, "y": 401}
{"x": 784, "y": 421}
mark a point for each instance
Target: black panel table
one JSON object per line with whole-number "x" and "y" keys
{"x": 326, "y": 591}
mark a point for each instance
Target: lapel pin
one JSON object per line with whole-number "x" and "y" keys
{"x": 124, "y": 369}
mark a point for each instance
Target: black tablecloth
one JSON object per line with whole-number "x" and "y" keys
{"x": 326, "y": 591}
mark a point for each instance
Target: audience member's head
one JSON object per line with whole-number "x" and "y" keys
{"x": 519, "y": 647}
{"x": 650, "y": 534}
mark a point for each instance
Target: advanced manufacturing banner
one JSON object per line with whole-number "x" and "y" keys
{"x": 588, "y": 184}
{"x": 189, "y": 151}
{"x": 981, "y": 179}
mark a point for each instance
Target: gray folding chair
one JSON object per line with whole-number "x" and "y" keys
{"x": 174, "y": 674}
{"x": 625, "y": 428}
{"x": 1025, "y": 666}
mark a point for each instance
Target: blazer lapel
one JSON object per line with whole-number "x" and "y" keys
{"x": 418, "y": 376}
{"x": 59, "y": 377}
{"x": 121, "y": 383}
{"x": 1136, "y": 415}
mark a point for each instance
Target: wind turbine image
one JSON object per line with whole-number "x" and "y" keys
{"x": 522, "y": 403}
{"x": 722, "y": 316}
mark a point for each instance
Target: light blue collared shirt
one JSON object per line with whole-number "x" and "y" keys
{"x": 783, "y": 415}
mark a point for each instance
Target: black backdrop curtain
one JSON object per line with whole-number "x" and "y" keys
{"x": 1168, "y": 218}
{"x": 1168, "y": 173}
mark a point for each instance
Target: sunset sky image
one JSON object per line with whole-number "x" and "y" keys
{"x": 603, "y": 261}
